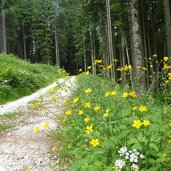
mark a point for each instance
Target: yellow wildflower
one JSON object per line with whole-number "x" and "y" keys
{"x": 89, "y": 129}
{"x": 68, "y": 112}
{"x": 134, "y": 108}
{"x": 166, "y": 59}
{"x": 137, "y": 124}
{"x": 53, "y": 99}
{"x": 106, "y": 115}
{"x": 169, "y": 75}
{"x": 80, "y": 70}
{"x": 27, "y": 169}
{"x": 125, "y": 94}
{"x": 88, "y": 91}
{"x": 94, "y": 142}
{"x": 113, "y": 93}
{"x": 44, "y": 111}
{"x": 76, "y": 100}
{"x": 87, "y": 73}
{"x": 155, "y": 56}
{"x": 108, "y": 93}
{"x": 166, "y": 66}
{"x": 64, "y": 101}
{"x": 96, "y": 108}
{"x": 88, "y": 105}
{"x": 87, "y": 119}
{"x": 146, "y": 123}
{"x": 36, "y": 129}
{"x": 143, "y": 108}
{"x": 54, "y": 148}
{"x": 80, "y": 112}
{"x": 109, "y": 67}
{"x": 144, "y": 68}
{"x": 133, "y": 94}
{"x": 89, "y": 67}
{"x": 46, "y": 125}
{"x": 97, "y": 61}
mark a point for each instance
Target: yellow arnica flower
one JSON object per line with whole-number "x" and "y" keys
{"x": 134, "y": 108}
{"x": 143, "y": 108}
{"x": 166, "y": 59}
{"x": 68, "y": 112}
{"x": 146, "y": 123}
{"x": 89, "y": 67}
{"x": 125, "y": 94}
{"x": 88, "y": 91}
{"x": 109, "y": 67}
{"x": 64, "y": 101}
{"x": 108, "y": 93}
{"x": 113, "y": 93}
{"x": 54, "y": 148}
{"x": 76, "y": 100}
{"x": 97, "y": 61}
{"x": 137, "y": 124}
{"x": 46, "y": 125}
{"x": 27, "y": 169}
{"x": 53, "y": 99}
{"x": 166, "y": 66}
{"x": 106, "y": 115}
{"x": 36, "y": 129}
{"x": 88, "y": 105}
{"x": 155, "y": 56}
{"x": 80, "y": 112}
{"x": 89, "y": 129}
{"x": 133, "y": 94}
{"x": 87, "y": 73}
{"x": 87, "y": 119}
{"x": 96, "y": 108}
{"x": 94, "y": 142}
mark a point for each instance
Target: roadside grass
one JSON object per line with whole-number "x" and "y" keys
{"x": 4, "y": 124}
{"x": 19, "y": 78}
{"x": 109, "y": 128}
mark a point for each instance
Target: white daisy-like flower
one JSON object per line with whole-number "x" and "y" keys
{"x": 133, "y": 158}
{"x": 141, "y": 156}
{"x": 134, "y": 167}
{"x": 120, "y": 163}
{"x": 122, "y": 151}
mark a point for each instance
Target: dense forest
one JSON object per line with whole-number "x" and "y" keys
{"x": 73, "y": 34}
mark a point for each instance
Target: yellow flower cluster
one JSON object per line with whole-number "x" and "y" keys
{"x": 88, "y": 91}
{"x": 76, "y": 100}
{"x": 97, "y": 61}
{"x": 131, "y": 94}
{"x": 110, "y": 93}
{"x": 143, "y": 108}
{"x": 68, "y": 112}
{"x": 36, "y": 105}
{"x": 96, "y": 108}
{"x": 88, "y": 105}
{"x": 53, "y": 99}
{"x": 125, "y": 68}
{"x": 138, "y": 123}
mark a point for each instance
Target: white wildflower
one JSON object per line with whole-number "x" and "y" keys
{"x": 134, "y": 167}
{"x": 120, "y": 164}
{"x": 122, "y": 151}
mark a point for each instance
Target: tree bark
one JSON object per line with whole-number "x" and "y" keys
{"x": 57, "y": 49}
{"x": 167, "y": 16}
{"x": 137, "y": 50}
{"x": 3, "y": 28}
{"x": 110, "y": 41}
{"x": 24, "y": 43}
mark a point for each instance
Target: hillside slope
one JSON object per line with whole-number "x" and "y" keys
{"x": 19, "y": 78}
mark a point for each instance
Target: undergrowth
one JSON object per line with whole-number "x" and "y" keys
{"x": 109, "y": 128}
{"x": 19, "y": 78}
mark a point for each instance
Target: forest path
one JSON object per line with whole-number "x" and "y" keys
{"x": 20, "y": 147}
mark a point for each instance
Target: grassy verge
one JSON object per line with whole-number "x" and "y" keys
{"x": 19, "y": 78}
{"x": 109, "y": 128}
{"x": 4, "y": 124}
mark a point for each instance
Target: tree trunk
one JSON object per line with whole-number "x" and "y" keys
{"x": 137, "y": 51}
{"x": 167, "y": 16}
{"x": 24, "y": 43}
{"x": 3, "y": 28}
{"x": 57, "y": 49}
{"x": 85, "y": 62}
{"x": 110, "y": 41}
